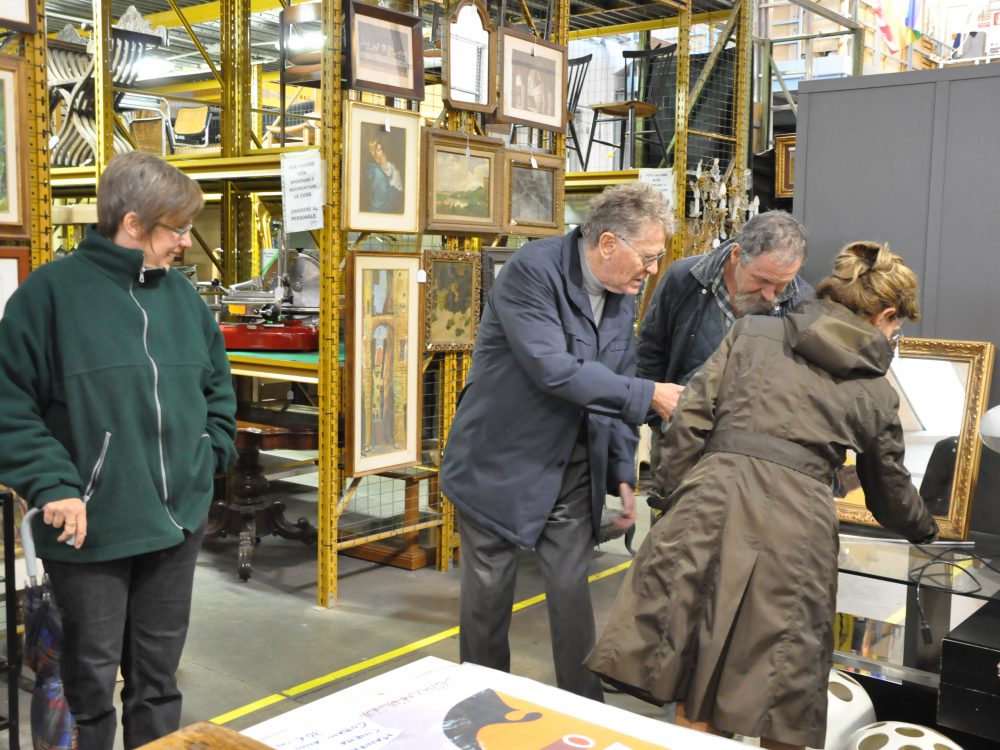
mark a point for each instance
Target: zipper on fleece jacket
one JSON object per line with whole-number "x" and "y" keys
{"x": 96, "y": 472}
{"x": 156, "y": 398}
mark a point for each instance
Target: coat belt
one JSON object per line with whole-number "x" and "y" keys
{"x": 774, "y": 449}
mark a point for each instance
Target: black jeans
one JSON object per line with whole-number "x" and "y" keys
{"x": 133, "y": 612}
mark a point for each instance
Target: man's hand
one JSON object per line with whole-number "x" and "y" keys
{"x": 70, "y": 515}
{"x": 665, "y": 397}
{"x": 627, "y": 517}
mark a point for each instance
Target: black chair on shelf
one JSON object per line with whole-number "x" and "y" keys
{"x": 576, "y": 74}
{"x": 647, "y": 81}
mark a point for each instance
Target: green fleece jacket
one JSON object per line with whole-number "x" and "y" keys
{"x": 114, "y": 388}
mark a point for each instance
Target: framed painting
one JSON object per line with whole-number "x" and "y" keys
{"x": 13, "y": 148}
{"x": 943, "y": 390}
{"x": 534, "y": 197}
{"x": 451, "y": 305}
{"x": 470, "y": 58}
{"x": 383, "y": 372}
{"x": 464, "y": 175}
{"x": 784, "y": 166}
{"x": 19, "y": 15}
{"x": 381, "y": 169}
{"x": 493, "y": 260}
{"x": 14, "y": 267}
{"x": 384, "y": 51}
{"x": 532, "y": 81}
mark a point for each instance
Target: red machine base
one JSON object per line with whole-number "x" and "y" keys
{"x": 287, "y": 337}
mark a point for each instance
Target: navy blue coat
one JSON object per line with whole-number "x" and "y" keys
{"x": 539, "y": 368}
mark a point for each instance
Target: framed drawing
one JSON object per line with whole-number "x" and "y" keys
{"x": 383, "y": 373}
{"x": 451, "y": 306}
{"x": 381, "y": 169}
{"x": 943, "y": 389}
{"x": 13, "y": 148}
{"x": 19, "y": 15}
{"x": 532, "y": 81}
{"x": 464, "y": 176}
{"x": 784, "y": 166}
{"x": 493, "y": 260}
{"x": 470, "y": 58}
{"x": 14, "y": 266}
{"x": 534, "y": 197}
{"x": 384, "y": 51}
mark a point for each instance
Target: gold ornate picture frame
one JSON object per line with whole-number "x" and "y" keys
{"x": 944, "y": 388}
{"x": 384, "y": 363}
{"x": 784, "y": 166}
{"x": 451, "y": 304}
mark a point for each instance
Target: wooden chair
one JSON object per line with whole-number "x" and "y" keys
{"x": 191, "y": 126}
{"x": 646, "y": 83}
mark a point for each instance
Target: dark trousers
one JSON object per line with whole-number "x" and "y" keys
{"x": 133, "y": 612}
{"x": 489, "y": 572}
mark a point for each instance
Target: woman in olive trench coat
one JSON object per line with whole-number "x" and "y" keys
{"x": 729, "y": 606}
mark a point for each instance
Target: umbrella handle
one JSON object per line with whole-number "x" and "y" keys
{"x": 28, "y": 543}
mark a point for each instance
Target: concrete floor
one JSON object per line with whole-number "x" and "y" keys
{"x": 261, "y": 648}
{"x": 254, "y": 648}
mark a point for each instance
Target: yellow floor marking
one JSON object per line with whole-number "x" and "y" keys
{"x": 304, "y": 687}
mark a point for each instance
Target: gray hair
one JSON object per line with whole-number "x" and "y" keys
{"x": 621, "y": 209}
{"x": 775, "y": 232}
{"x": 147, "y": 185}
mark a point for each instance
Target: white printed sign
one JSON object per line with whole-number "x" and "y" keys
{"x": 303, "y": 186}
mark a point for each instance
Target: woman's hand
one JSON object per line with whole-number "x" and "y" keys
{"x": 70, "y": 515}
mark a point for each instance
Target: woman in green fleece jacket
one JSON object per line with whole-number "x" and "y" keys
{"x": 116, "y": 412}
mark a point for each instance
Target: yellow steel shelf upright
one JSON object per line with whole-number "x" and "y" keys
{"x": 333, "y": 244}
{"x": 39, "y": 177}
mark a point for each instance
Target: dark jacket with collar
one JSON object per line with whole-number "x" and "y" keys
{"x": 540, "y": 368}
{"x": 117, "y": 391}
{"x": 673, "y": 318}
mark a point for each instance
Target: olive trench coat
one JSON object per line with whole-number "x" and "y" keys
{"x": 730, "y": 603}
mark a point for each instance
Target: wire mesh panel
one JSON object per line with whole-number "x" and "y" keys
{"x": 711, "y": 126}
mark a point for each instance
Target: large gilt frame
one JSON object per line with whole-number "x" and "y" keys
{"x": 979, "y": 356}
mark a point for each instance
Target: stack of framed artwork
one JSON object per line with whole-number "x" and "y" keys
{"x": 404, "y": 178}
{"x": 401, "y": 176}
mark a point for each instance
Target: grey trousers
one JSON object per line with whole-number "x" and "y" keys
{"x": 135, "y": 612}
{"x": 489, "y": 572}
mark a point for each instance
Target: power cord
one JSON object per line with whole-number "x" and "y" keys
{"x": 918, "y": 574}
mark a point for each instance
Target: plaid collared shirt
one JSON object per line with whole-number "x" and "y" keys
{"x": 721, "y": 294}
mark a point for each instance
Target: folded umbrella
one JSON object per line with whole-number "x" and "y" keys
{"x": 52, "y": 726}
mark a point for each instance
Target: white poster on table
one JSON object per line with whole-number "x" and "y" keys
{"x": 432, "y": 704}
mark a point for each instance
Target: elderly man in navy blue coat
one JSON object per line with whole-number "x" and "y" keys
{"x": 546, "y": 425}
